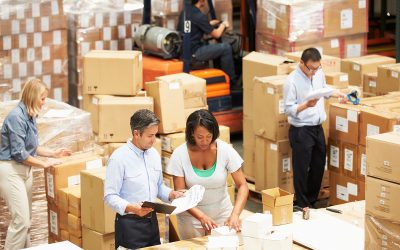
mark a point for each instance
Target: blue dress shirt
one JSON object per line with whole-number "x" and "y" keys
{"x": 133, "y": 176}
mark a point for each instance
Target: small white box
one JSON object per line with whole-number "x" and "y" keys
{"x": 276, "y": 240}
{"x": 223, "y": 243}
{"x": 223, "y": 231}
{"x": 257, "y": 225}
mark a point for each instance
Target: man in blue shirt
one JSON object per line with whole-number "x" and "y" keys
{"x": 201, "y": 51}
{"x": 134, "y": 175}
{"x": 306, "y": 135}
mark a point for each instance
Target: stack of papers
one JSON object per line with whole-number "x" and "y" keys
{"x": 317, "y": 94}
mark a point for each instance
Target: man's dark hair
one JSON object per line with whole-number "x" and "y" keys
{"x": 193, "y": 2}
{"x": 311, "y": 54}
{"x": 203, "y": 118}
{"x": 143, "y": 119}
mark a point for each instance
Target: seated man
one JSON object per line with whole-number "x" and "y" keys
{"x": 201, "y": 51}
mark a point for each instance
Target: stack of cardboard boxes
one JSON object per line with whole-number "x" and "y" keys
{"x": 336, "y": 28}
{"x": 31, "y": 46}
{"x": 166, "y": 12}
{"x": 63, "y": 196}
{"x": 96, "y": 27}
{"x": 265, "y": 128}
{"x": 382, "y": 192}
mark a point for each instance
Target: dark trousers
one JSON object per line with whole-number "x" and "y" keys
{"x": 223, "y": 51}
{"x": 309, "y": 158}
{"x": 132, "y": 231}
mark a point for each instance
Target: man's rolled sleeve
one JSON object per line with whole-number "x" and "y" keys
{"x": 112, "y": 187}
{"x": 290, "y": 99}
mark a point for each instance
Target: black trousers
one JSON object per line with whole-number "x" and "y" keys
{"x": 132, "y": 231}
{"x": 309, "y": 158}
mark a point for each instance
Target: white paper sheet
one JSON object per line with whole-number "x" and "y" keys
{"x": 191, "y": 198}
{"x": 316, "y": 94}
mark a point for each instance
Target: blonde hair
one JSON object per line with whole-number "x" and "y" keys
{"x": 31, "y": 95}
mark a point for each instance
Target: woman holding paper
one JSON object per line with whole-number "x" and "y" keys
{"x": 18, "y": 150}
{"x": 205, "y": 160}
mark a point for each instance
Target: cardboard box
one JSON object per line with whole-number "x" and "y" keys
{"x": 373, "y": 122}
{"x": 286, "y": 19}
{"x": 358, "y": 66}
{"x": 280, "y": 203}
{"x": 111, "y": 114}
{"x": 349, "y": 162}
{"x": 165, "y": 156}
{"x": 93, "y": 240}
{"x": 157, "y": 145}
{"x": 74, "y": 226}
{"x": 189, "y": 111}
{"x": 95, "y": 214}
{"x": 53, "y": 218}
{"x": 330, "y": 64}
{"x": 67, "y": 173}
{"x": 113, "y": 72}
{"x": 370, "y": 82}
{"x": 111, "y": 147}
{"x": 337, "y": 79}
{"x": 388, "y": 78}
{"x": 382, "y": 199}
{"x": 381, "y": 234}
{"x": 345, "y": 18}
{"x": 63, "y": 218}
{"x": 63, "y": 199}
{"x": 64, "y": 235}
{"x": 334, "y": 154}
{"x": 170, "y": 142}
{"x": 171, "y": 114}
{"x": 168, "y": 180}
{"x": 343, "y": 189}
{"x": 74, "y": 200}
{"x": 383, "y": 156}
{"x": 271, "y": 122}
{"x": 225, "y": 134}
{"x": 76, "y": 240}
{"x": 344, "y": 122}
{"x": 361, "y": 163}
{"x": 249, "y": 144}
{"x": 194, "y": 88}
{"x": 273, "y": 164}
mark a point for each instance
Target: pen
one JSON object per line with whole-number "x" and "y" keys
{"x": 334, "y": 210}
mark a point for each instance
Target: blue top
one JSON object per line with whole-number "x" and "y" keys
{"x": 19, "y": 135}
{"x": 133, "y": 176}
{"x": 297, "y": 87}
{"x": 199, "y": 26}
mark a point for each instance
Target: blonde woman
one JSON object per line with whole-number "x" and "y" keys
{"x": 18, "y": 150}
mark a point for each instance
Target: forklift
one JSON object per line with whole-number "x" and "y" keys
{"x": 174, "y": 48}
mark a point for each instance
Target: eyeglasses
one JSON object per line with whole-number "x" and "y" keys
{"x": 313, "y": 69}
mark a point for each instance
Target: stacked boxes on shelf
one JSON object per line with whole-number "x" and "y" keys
{"x": 32, "y": 45}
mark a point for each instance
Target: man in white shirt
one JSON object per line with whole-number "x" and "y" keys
{"x": 306, "y": 135}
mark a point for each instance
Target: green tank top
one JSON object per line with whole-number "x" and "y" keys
{"x": 205, "y": 173}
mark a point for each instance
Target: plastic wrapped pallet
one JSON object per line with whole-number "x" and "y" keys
{"x": 71, "y": 129}
{"x": 32, "y": 34}
{"x": 100, "y": 25}
{"x": 223, "y": 11}
{"x": 166, "y": 7}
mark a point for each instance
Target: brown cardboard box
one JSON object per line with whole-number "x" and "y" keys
{"x": 157, "y": 145}
{"x": 168, "y": 180}
{"x": 114, "y": 146}
{"x": 383, "y": 156}
{"x": 110, "y": 118}
{"x": 271, "y": 122}
{"x": 248, "y": 102}
{"x": 93, "y": 240}
{"x": 224, "y": 134}
{"x": 171, "y": 141}
{"x": 74, "y": 226}
{"x": 74, "y": 200}
{"x": 388, "y": 78}
{"x": 286, "y": 20}
{"x": 373, "y": 122}
{"x": 261, "y": 65}
{"x": 165, "y": 156}
{"x": 343, "y": 189}
{"x": 337, "y": 79}
{"x": 330, "y": 64}
{"x": 171, "y": 114}
{"x": 63, "y": 216}
{"x": 361, "y": 189}
{"x": 273, "y": 164}
{"x": 64, "y": 235}
{"x": 53, "y": 217}
{"x": 370, "y": 82}
{"x": 381, "y": 234}
{"x": 248, "y": 149}
{"x": 382, "y": 199}
{"x": 167, "y": 7}
{"x": 194, "y": 88}
{"x": 280, "y": 203}
{"x": 189, "y": 111}
{"x": 32, "y": 25}
{"x": 67, "y": 173}
{"x": 95, "y": 214}
{"x": 113, "y": 72}
{"x": 358, "y": 66}
{"x": 345, "y": 18}
{"x": 76, "y": 240}
{"x": 334, "y": 156}
{"x": 63, "y": 199}
{"x": 349, "y": 162}
{"x": 344, "y": 122}
{"x": 361, "y": 163}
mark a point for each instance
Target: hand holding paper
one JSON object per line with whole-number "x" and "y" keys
{"x": 190, "y": 199}
{"x": 317, "y": 94}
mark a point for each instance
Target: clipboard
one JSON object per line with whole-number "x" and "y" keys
{"x": 159, "y": 207}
